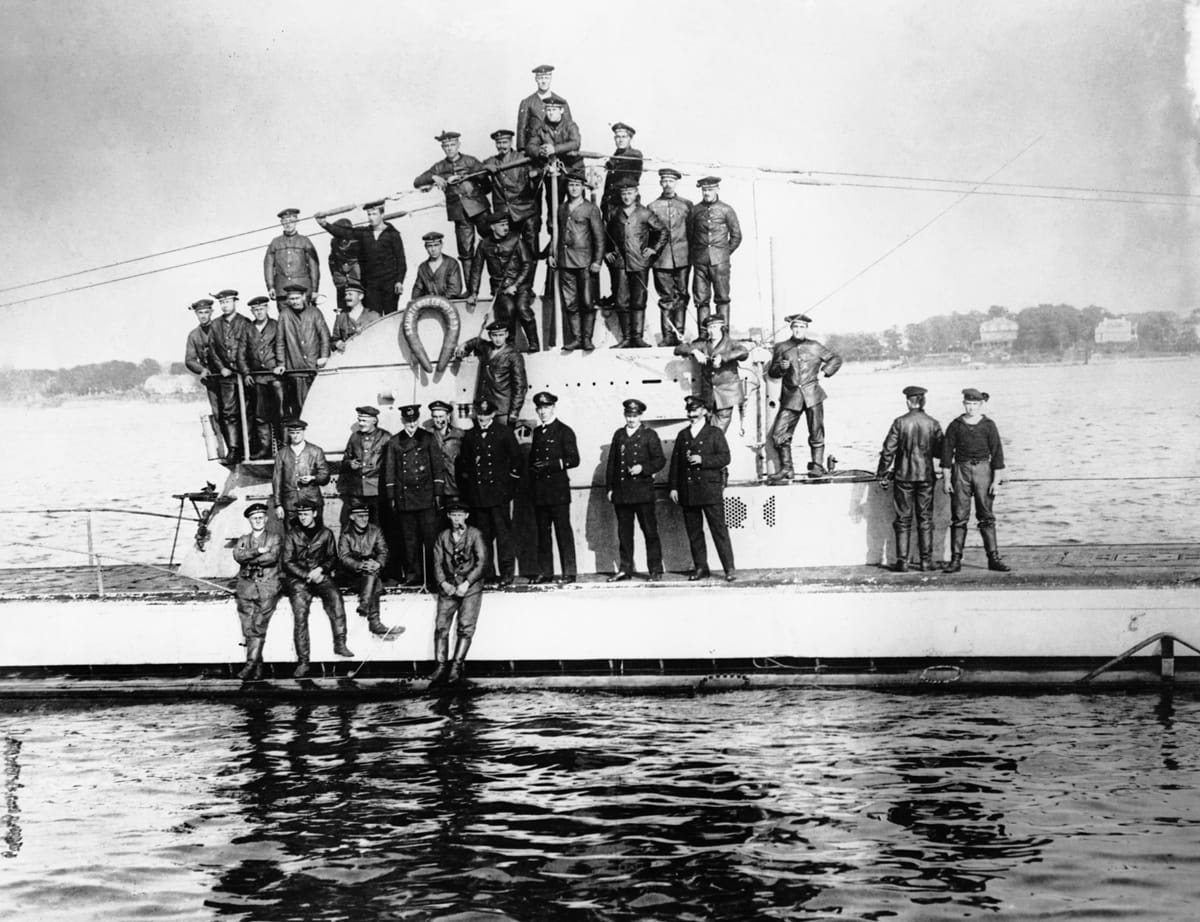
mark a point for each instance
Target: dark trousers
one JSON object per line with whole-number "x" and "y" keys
{"x": 256, "y": 601}
{"x": 467, "y": 609}
{"x": 710, "y": 281}
{"x": 630, "y": 288}
{"x": 418, "y": 529}
{"x": 913, "y": 498}
{"x": 785, "y": 426}
{"x": 530, "y": 230}
{"x": 575, "y": 287}
{"x": 511, "y": 309}
{"x": 647, "y": 520}
{"x": 693, "y": 522}
{"x": 495, "y": 524}
{"x": 301, "y": 594}
{"x": 465, "y": 233}
{"x": 370, "y": 591}
{"x": 231, "y": 412}
{"x": 672, "y": 288}
{"x": 381, "y": 297}
{"x": 213, "y": 389}
{"x": 295, "y": 391}
{"x": 265, "y": 397}
{"x": 557, "y": 517}
{"x": 971, "y": 479}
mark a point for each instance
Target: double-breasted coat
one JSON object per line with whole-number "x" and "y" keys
{"x": 628, "y": 450}
{"x": 414, "y": 472}
{"x": 702, "y": 484}
{"x": 806, "y": 359}
{"x": 488, "y": 466}
{"x": 554, "y": 452}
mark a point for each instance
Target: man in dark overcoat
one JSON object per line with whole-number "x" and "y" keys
{"x": 302, "y": 347}
{"x": 361, "y": 478}
{"x": 226, "y": 345}
{"x": 501, "y": 378}
{"x": 464, "y": 182}
{"x": 634, "y": 457}
{"x": 488, "y": 472}
{"x": 510, "y": 268}
{"x": 554, "y": 451}
{"x": 380, "y": 257}
{"x": 697, "y": 484}
{"x": 415, "y": 481}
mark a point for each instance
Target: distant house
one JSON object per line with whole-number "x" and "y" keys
{"x": 1116, "y": 330}
{"x": 999, "y": 331}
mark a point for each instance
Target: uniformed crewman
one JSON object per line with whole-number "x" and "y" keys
{"x": 448, "y": 438}
{"x": 291, "y": 259}
{"x": 634, "y": 457}
{"x": 713, "y": 235}
{"x": 460, "y": 559}
{"x": 415, "y": 482}
{"x": 972, "y": 466}
{"x": 380, "y": 256}
{"x": 353, "y": 320}
{"x": 717, "y": 357}
{"x": 510, "y": 269}
{"x": 799, "y": 361}
{"x": 626, "y": 163}
{"x": 343, "y": 262}
{"x": 363, "y": 552}
{"x": 554, "y": 140}
{"x": 463, "y": 180}
{"x": 697, "y": 483}
{"x": 439, "y": 274}
{"x": 361, "y": 477}
{"x": 514, "y": 191}
{"x": 673, "y": 265}
{"x": 299, "y": 473}
{"x": 488, "y": 469}
{"x": 501, "y": 378}
{"x": 553, "y": 452}
{"x": 257, "y": 592}
{"x": 264, "y": 389}
{"x": 301, "y": 348}
{"x": 913, "y": 443}
{"x": 577, "y": 263}
{"x": 635, "y": 238}
{"x": 309, "y": 561}
{"x": 532, "y": 112}
{"x": 198, "y": 358}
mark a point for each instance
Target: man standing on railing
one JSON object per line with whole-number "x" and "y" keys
{"x": 463, "y": 181}
{"x": 439, "y": 275}
{"x": 198, "y": 358}
{"x": 310, "y": 559}
{"x": 380, "y": 257}
{"x": 257, "y": 592}
{"x": 264, "y": 389}
{"x": 301, "y": 349}
{"x": 291, "y": 259}
{"x": 300, "y": 472}
{"x": 713, "y": 235}
{"x": 228, "y": 341}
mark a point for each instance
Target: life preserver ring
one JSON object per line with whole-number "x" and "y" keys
{"x": 408, "y": 329}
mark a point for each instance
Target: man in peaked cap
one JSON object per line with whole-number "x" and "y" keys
{"x": 264, "y": 389}
{"x": 362, "y": 473}
{"x": 906, "y": 464}
{"x": 532, "y": 112}
{"x": 464, "y": 182}
{"x": 713, "y": 235}
{"x": 353, "y": 320}
{"x": 344, "y": 264}
{"x": 626, "y": 163}
{"x": 226, "y": 345}
{"x": 553, "y": 452}
{"x": 488, "y": 472}
{"x": 577, "y": 262}
{"x": 310, "y": 560}
{"x": 514, "y": 191}
{"x": 299, "y": 473}
{"x": 415, "y": 483}
{"x": 510, "y": 268}
{"x": 635, "y": 455}
{"x": 635, "y": 238}
{"x": 972, "y": 466}
{"x": 380, "y": 255}
{"x": 302, "y": 348}
{"x": 448, "y": 439}
{"x": 439, "y": 275}
{"x": 291, "y": 258}
{"x": 554, "y": 143}
{"x": 672, "y": 267}
{"x": 363, "y": 552}
{"x": 257, "y": 592}
{"x": 799, "y": 362}
{"x": 501, "y": 379}
{"x": 697, "y": 482}
{"x": 718, "y": 369}
{"x": 198, "y": 357}
{"x": 460, "y": 560}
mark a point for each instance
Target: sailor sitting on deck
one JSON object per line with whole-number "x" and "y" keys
{"x": 310, "y": 559}
{"x": 460, "y": 558}
{"x": 363, "y": 552}
{"x": 257, "y": 591}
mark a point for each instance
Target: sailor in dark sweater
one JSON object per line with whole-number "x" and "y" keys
{"x": 972, "y": 465}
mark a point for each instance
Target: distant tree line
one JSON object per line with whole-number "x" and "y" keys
{"x": 81, "y": 380}
{"x": 1047, "y": 330}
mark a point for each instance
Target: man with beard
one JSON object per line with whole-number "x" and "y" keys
{"x": 310, "y": 559}
{"x": 291, "y": 259}
{"x": 697, "y": 483}
{"x": 438, "y": 275}
{"x": 264, "y": 390}
{"x": 380, "y": 257}
{"x": 414, "y": 482}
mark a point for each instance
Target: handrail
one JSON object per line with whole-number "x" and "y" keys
{"x": 1162, "y": 635}
{"x": 159, "y": 515}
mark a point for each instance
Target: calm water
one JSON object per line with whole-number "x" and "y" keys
{"x": 772, "y": 805}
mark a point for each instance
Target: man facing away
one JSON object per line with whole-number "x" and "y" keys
{"x": 257, "y": 593}
{"x": 460, "y": 559}
{"x": 380, "y": 257}
{"x": 264, "y": 389}
{"x": 578, "y": 260}
{"x": 309, "y": 560}
{"x": 714, "y": 234}
{"x": 634, "y": 457}
{"x": 718, "y": 359}
{"x": 799, "y": 361}
{"x": 461, "y": 178}
{"x": 438, "y": 275}
{"x": 697, "y": 482}
{"x": 363, "y": 553}
{"x": 302, "y": 347}
{"x": 291, "y": 259}
{"x": 343, "y": 262}
{"x": 906, "y": 465}
{"x": 672, "y": 267}
{"x": 553, "y": 452}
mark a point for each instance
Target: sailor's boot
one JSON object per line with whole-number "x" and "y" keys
{"x": 441, "y": 652}
{"x": 925, "y": 545}
{"x": 816, "y": 467}
{"x": 958, "y": 541}
{"x": 302, "y": 652}
{"x": 993, "y": 554}
{"x": 587, "y": 324}
{"x": 785, "y": 472}
{"x": 233, "y": 439}
{"x": 668, "y": 335}
{"x": 338, "y": 623}
{"x": 624, "y": 322}
{"x": 679, "y": 318}
{"x": 375, "y": 626}
{"x": 253, "y": 652}
{"x": 638, "y": 328}
{"x": 466, "y": 263}
{"x": 572, "y": 341}
{"x": 460, "y": 654}
{"x": 526, "y": 319}
{"x": 903, "y": 536}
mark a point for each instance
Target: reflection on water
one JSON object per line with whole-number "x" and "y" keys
{"x": 775, "y": 804}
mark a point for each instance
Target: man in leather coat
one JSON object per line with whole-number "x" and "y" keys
{"x": 291, "y": 259}
{"x": 460, "y": 559}
{"x": 553, "y": 452}
{"x": 635, "y": 237}
{"x": 514, "y": 191}
{"x": 463, "y": 181}
{"x": 510, "y": 268}
{"x": 363, "y": 552}
{"x": 697, "y": 481}
{"x": 264, "y": 390}
{"x": 257, "y": 592}
{"x": 532, "y": 110}
{"x": 198, "y": 357}
{"x": 673, "y": 266}
{"x": 713, "y": 235}
{"x": 301, "y": 349}
{"x": 577, "y": 263}
{"x": 717, "y": 358}
{"x": 309, "y": 561}
{"x": 635, "y": 455}
{"x": 799, "y": 361}
{"x": 299, "y": 473}
{"x": 362, "y": 474}
{"x": 501, "y": 378}
{"x": 906, "y": 465}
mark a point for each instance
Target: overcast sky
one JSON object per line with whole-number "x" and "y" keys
{"x": 133, "y": 127}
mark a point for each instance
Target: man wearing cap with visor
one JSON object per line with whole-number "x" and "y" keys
{"x": 291, "y": 259}
{"x": 635, "y": 238}
{"x": 439, "y": 275}
{"x": 361, "y": 476}
{"x": 799, "y": 362}
{"x": 672, "y": 267}
{"x": 353, "y": 320}
{"x": 555, "y": 139}
{"x": 510, "y": 268}
{"x": 635, "y": 455}
{"x": 299, "y": 473}
{"x": 972, "y": 467}
{"x": 514, "y": 191}
{"x": 501, "y": 378}
{"x": 713, "y": 235}
{"x": 380, "y": 256}
{"x": 460, "y": 560}
{"x": 226, "y": 345}
{"x": 257, "y": 591}
{"x": 363, "y": 553}
{"x": 463, "y": 180}
{"x": 448, "y": 439}
{"x": 906, "y": 464}
{"x": 415, "y": 481}
{"x": 577, "y": 263}
{"x": 309, "y": 560}
{"x": 343, "y": 262}
{"x": 532, "y": 112}
{"x": 553, "y": 452}
{"x": 264, "y": 390}
{"x": 697, "y": 481}
{"x": 302, "y": 347}
{"x": 198, "y": 357}
{"x": 488, "y": 472}
{"x": 717, "y": 358}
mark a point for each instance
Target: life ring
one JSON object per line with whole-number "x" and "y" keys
{"x": 408, "y": 329}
